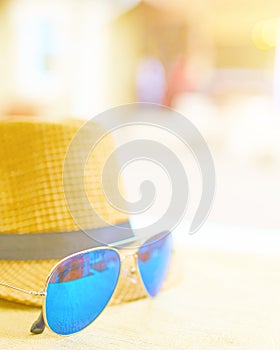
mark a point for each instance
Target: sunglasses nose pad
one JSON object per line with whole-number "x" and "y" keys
{"x": 130, "y": 273}
{"x": 129, "y": 269}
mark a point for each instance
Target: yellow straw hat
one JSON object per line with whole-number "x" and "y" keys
{"x": 32, "y": 200}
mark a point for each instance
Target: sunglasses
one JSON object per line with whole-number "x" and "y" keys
{"x": 80, "y": 286}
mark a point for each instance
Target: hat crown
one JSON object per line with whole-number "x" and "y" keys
{"x": 32, "y": 197}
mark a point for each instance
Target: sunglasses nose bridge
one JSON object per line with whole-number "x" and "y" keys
{"x": 129, "y": 266}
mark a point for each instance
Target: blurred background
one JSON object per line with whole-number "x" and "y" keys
{"x": 216, "y": 62}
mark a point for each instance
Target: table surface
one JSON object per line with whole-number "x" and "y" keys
{"x": 228, "y": 298}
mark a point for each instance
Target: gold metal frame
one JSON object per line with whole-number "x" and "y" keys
{"x": 122, "y": 257}
{"x": 22, "y": 290}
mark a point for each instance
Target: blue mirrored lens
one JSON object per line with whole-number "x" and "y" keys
{"x": 153, "y": 260}
{"x": 79, "y": 289}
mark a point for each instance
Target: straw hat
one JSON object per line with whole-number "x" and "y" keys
{"x": 32, "y": 197}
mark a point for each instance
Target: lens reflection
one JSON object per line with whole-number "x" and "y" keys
{"x": 80, "y": 288}
{"x": 153, "y": 260}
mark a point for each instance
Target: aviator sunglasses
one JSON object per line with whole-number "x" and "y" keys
{"x": 80, "y": 286}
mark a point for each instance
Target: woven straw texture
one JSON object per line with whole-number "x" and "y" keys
{"x": 32, "y": 198}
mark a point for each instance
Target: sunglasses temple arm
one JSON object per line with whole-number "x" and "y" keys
{"x": 38, "y": 326}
